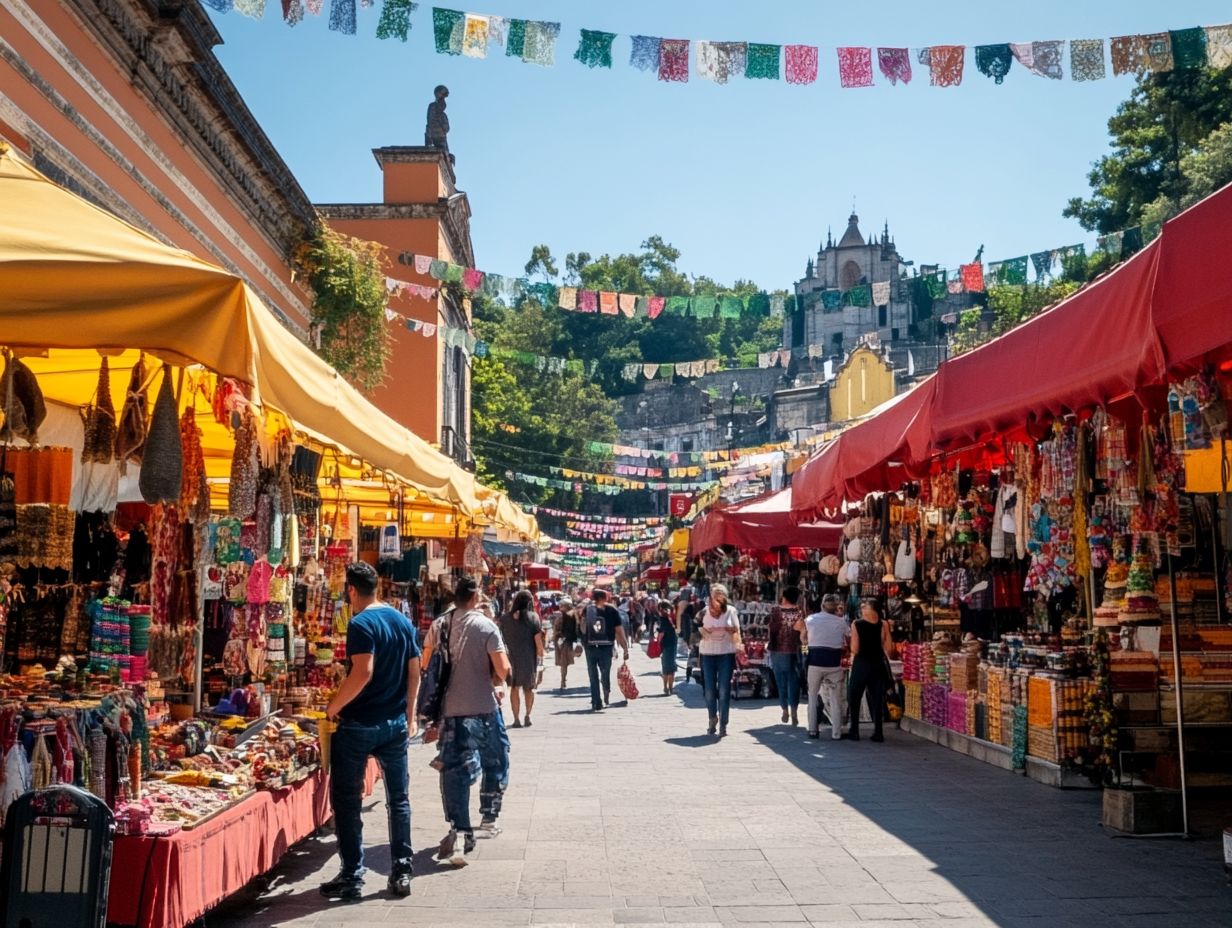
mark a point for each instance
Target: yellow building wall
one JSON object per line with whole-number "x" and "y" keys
{"x": 862, "y": 384}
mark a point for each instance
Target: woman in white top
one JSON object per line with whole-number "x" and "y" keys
{"x": 720, "y": 628}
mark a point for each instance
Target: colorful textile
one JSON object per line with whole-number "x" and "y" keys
{"x": 255, "y": 9}
{"x": 588, "y": 301}
{"x": 1086, "y": 60}
{"x": 475, "y": 36}
{"x": 1189, "y": 47}
{"x": 498, "y": 30}
{"x": 545, "y": 294}
{"x": 994, "y": 61}
{"x": 972, "y": 277}
{"x": 831, "y": 299}
{"x": 540, "y": 44}
{"x": 763, "y": 62}
{"x": 934, "y": 281}
{"x": 630, "y": 371}
{"x": 447, "y": 26}
{"x": 453, "y": 273}
{"x": 628, "y": 304}
{"x": 422, "y": 263}
{"x": 1013, "y": 272}
{"x": 955, "y": 286}
{"x": 855, "y": 66}
{"x": 341, "y": 16}
{"x": 731, "y": 307}
{"x": 438, "y": 269}
{"x": 1043, "y": 261}
{"x": 704, "y": 306}
{"x": 515, "y": 44}
{"x": 674, "y": 60}
{"x": 895, "y": 64}
{"x": 607, "y": 303}
{"x": 800, "y": 63}
{"x": 568, "y": 298}
{"x": 881, "y": 293}
{"x": 293, "y": 12}
{"x": 644, "y": 54}
{"x": 945, "y": 65}
{"x": 712, "y": 366}
{"x": 858, "y": 295}
{"x": 721, "y": 61}
{"x": 595, "y": 49}
{"x": 472, "y": 279}
{"x": 677, "y": 305}
{"x": 1219, "y": 46}
{"x": 654, "y": 306}
{"x": 1128, "y": 55}
{"x": 1159, "y": 52}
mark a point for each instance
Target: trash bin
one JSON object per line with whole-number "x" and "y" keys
{"x": 57, "y": 860}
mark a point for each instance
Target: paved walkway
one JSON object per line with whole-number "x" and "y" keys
{"x": 636, "y": 817}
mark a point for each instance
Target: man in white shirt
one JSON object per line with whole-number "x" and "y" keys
{"x": 826, "y": 634}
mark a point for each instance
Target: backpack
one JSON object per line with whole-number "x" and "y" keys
{"x": 435, "y": 681}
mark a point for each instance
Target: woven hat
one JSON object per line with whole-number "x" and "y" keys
{"x": 162, "y": 465}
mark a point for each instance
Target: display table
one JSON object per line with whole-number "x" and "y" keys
{"x": 170, "y": 882}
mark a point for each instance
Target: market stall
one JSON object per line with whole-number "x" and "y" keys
{"x": 182, "y": 484}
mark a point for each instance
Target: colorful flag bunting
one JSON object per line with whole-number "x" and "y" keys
{"x": 1158, "y": 47}
{"x": 763, "y": 62}
{"x": 588, "y": 301}
{"x": 472, "y": 279}
{"x": 674, "y": 60}
{"x": 677, "y": 305}
{"x": 447, "y": 26}
{"x": 515, "y": 43}
{"x": 540, "y": 44}
{"x": 855, "y": 67}
{"x": 438, "y": 269}
{"x": 1218, "y": 46}
{"x": 222, "y": 6}
{"x": 704, "y": 306}
{"x": 254, "y": 9}
{"x": 655, "y": 306}
{"x": 644, "y": 54}
{"x": 881, "y": 293}
{"x": 955, "y": 286}
{"x": 800, "y": 63}
{"x": 1043, "y": 262}
{"x": 293, "y": 13}
{"x": 945, "y": 65}
{"x": 595, "y": 48}
{"x": 972, "y": 277}
{"x": 1128, "y": 55}
{"x": 607, "y": 303}
{"x": 1040, "y": 58}
{"x": 993, "y": 61}
{"x": 1086, "y": 60}
{"x": 475, "y": 36}
{"x": 730, "y": 307}
{"x": 628, "y": 305}
{"x": 895, "y": 64}
{"x": 831, "y": 299}
{"x": 341, "y": 16}
{"x": 858, "y": 296}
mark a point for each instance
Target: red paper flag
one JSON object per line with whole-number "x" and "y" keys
{"x": 973, "y": 277}
{"x": 674, "y": 60}
{"x": 855, "y": 67}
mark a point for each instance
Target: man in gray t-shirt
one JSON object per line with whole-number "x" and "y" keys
{"x": 473, "y": 738}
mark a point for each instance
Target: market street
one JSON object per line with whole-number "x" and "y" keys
{"x": 635, "y": 816}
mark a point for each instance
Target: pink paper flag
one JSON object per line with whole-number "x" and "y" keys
{"x": 855, "y": 67}
{"x": 588, "y": 301}
{"x": 800, "y": 63}
{"x": 895, "y": 64}
{"x": 472, "y": 279}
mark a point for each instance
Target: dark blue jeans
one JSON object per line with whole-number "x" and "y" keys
{"x": 717, "y": 670}
{"x": 350, "y": 749}
{"x": 471, "y": 746}
{"x": 599, "y": 666}
{"x": 786, "y": 667}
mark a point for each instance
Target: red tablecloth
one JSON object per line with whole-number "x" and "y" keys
{"x": 170, "y": 882}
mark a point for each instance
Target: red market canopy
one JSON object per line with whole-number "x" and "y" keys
{"x": 1166, "y": 310}
{"x": 762, "y": 524}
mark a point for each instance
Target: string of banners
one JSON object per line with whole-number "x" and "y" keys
{"x": 475, "y": 35}
{"x": 604, "y": 483}
{"x": 583, "y": 517}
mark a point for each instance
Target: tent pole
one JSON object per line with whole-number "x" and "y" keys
{"x": 1180, "y": 700}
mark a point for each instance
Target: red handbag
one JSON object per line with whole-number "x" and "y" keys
{"x": 624, "y": 679}
{"x": 655, "y": 648}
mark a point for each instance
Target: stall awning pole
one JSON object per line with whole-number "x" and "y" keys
{"x": 1180, "y": 698}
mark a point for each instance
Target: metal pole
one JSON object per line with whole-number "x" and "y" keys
{"x": 1180, "y": 700}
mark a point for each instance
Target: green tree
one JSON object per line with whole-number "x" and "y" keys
{"x": 1165, "y": 119}
{"x": 1203, "y": 171}
{"x": 1007, "y": 308}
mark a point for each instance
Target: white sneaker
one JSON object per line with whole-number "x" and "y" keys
{"x": 487, "y": 829}
{"x": 458, "y": 856}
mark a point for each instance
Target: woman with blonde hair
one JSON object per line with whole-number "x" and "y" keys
{"x": 720, "y": 630}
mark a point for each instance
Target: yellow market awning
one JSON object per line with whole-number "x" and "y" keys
{"x": 75, "y": 277}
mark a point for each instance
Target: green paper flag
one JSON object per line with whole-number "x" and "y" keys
{"x": 677, "y": 305}
{"x": 515, "y": 45}
{"x": 831, "y": 299}
{"x": 642, "y": 307}
{"x": 859, "y": 296}
{"x": 762, "y": 61}
{"x": 595, "y": 49}
{"x": 447, "y": 26}
{"x": 936, "y": 284}
{"x": 704, "y": 306}
{"x": 438, "y": 269}
{"x": 759, "y": 304}
{"x": 453, "y": 274}
{"x": 731, "y": 307}
{"x": 395, "y": 19}
{"x": 1189, "y": 48}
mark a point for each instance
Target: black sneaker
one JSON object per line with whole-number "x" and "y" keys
{"x": 343, "y": 886}
{"x": 400, "y": 885}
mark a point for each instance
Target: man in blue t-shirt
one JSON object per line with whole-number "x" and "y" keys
{"x": 375, "y": 711}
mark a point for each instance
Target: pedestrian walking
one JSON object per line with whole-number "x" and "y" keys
{"x": 870, "y": 643}
{"x": 565, "y": 637}
{"x": 601, "y": 632}
{"x": 473, "y": 739}
{"x": 523, "y": 634}
{"x": 825, "y": 633}
{"x": 783, "y": 643}
{"x": 664, "y": 632}
{"x": 375, "y": 711}
{"x": 720, "y": 631}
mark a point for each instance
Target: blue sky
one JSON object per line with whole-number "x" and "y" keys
{"x": 743, "y": 178}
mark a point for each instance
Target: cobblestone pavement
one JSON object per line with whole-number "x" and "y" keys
{"x": 635, "y": 817}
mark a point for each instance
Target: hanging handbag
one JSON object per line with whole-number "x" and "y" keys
{"x": 904, "y": 563}
{"x": 654, "y": 649}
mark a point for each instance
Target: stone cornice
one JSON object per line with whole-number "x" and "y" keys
{"x": 453, "y": 213}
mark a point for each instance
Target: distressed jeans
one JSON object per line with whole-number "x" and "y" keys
{"x": 473, "y": 746}
{"x": 350, "y": 748}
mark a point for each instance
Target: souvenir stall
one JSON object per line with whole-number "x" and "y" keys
{"x": 1069, "y": 602}
{"x": 161, "y": 487}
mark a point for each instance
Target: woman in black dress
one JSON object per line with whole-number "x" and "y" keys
{"x": 669, "y": 641}
{"x": 523, "y": 634}
{"x": 870, "y": 643}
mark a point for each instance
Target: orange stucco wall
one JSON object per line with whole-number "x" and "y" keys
{"x": 89, "y": 128}
{"x": 411, "y": 393}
